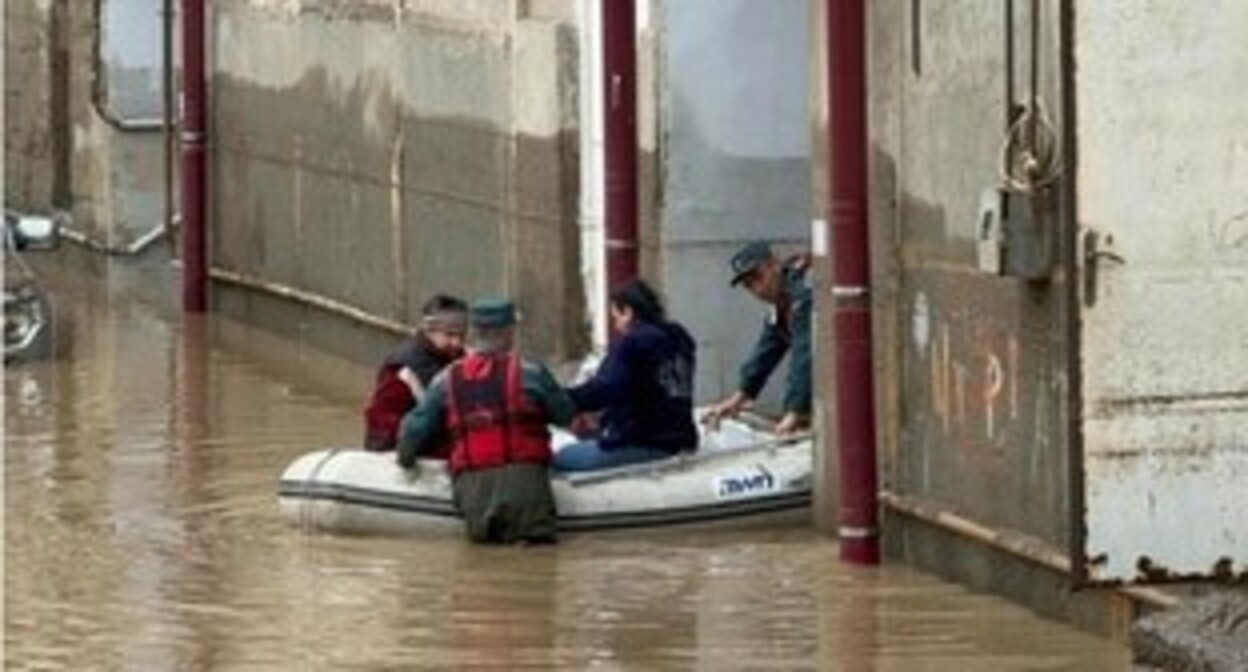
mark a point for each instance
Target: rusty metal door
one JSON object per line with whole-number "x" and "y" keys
{"x": 1162, "y": 193}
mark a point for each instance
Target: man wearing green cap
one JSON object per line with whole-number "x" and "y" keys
{"x": 496, "y": 407}
{"x": 787, "y": 330}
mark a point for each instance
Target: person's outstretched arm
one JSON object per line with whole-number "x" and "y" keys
{"x": 768, "y": 351}
{"x": 540, "y": 386}
{"x": 421, "y": 424}
{"x": 609, "y": 383}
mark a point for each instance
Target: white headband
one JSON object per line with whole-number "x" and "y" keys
{"x": 450, "y": 319}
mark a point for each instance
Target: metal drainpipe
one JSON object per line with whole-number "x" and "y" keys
{"x": 169, "y": 105}
{"x": 194, "y": 173}
{"x": 619, "y": 51}
{"x": 851, "y": 277}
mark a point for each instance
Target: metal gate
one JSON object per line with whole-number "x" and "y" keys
{"x": 1162, "y": 132}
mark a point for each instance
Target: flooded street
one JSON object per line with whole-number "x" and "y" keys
{"x": 142, "y": 533}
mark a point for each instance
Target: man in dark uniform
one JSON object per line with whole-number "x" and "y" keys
{"x": 496, "y": 408}
{"x": 408, "y": 371}
{"x": 783, "y": 286}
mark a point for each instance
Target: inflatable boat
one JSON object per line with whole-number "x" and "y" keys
{"x": 741, "y": 476}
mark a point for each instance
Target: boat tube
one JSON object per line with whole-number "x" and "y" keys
{"x": 741, "y": 476}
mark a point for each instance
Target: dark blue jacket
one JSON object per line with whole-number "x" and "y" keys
{"x": 787, "y": 330}
{"x": 645, "y": 389}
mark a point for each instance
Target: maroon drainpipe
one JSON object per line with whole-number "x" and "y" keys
{"x": 851, "y": 277}
{"x": 194, "y": 173}
{"x": 619, "y": 59}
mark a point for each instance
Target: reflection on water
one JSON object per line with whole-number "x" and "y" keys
{"x": 142, "y": 533}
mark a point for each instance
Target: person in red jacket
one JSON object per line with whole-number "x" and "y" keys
{"x": 496, "y": 406}
{"x": 408, "y": 371}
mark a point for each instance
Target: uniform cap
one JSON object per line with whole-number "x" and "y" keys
{"x": 748, "y": 259}
{"x": 492, "y": 313}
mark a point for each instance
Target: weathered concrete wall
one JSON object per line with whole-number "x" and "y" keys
{"x": 377, "y": 152}
{"x": 60, "y": 152}
{"x": 973, "y": 381}
{"x": 27, "y": 92}
{"x": 131, "y": 55}
{"x": 734, "y": 164}
{"x": 886, "y": 274}
{"x": 116, "y": 175}
{"x": 1163, "y": 157}
{"x": 823, "y": 421}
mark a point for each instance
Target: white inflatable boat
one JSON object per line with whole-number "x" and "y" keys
{"x": 740, "y": 476}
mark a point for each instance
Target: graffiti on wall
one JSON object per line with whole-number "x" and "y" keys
{"x": 972, "y": 375}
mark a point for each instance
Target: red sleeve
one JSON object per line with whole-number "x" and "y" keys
{"x": 391, "y": 400}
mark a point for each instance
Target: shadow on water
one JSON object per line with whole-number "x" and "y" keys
{"x": 142, "y": 533}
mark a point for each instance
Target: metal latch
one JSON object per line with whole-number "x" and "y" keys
{"x": 1093, "y": 253}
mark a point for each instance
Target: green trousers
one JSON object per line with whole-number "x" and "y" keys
{"x": 508, "y": 504}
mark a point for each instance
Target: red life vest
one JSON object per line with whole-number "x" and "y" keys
{"x": 491, "y": 423}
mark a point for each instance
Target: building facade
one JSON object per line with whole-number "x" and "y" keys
{"x": 1057, "y": 268}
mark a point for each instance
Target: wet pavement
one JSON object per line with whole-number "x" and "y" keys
{"x": 142, "y": 533}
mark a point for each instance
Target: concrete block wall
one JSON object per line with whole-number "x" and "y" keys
{"x": 377, "y": 152}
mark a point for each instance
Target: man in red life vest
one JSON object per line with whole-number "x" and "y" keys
{"x": 408, "y": 371}
{"x": 496, "y": 407}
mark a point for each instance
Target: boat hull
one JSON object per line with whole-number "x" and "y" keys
{"x": 741, "y": 478}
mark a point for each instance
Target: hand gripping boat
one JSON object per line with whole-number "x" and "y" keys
{"x": 740, "y": 477}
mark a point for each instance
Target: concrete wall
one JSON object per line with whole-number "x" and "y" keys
{"x": 733, "y": 148}
{"x": 60, "y": 151}
{"x": 973, "y": 381}
{"x": 373, "y": 152}
{"x": 376, "y": 152}
{"x": 1163, "y": 160}
{"x": 132, "y": 58}
{"x": 28, "y": 152}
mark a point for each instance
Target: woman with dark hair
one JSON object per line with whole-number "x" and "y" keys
{"x": 644, "y": 388}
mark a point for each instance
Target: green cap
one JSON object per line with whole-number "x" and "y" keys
{"x": 747, "y": 259}
{"x": 492, "y": 313}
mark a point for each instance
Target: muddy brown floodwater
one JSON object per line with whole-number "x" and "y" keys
{"x": 142, "y": 533}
